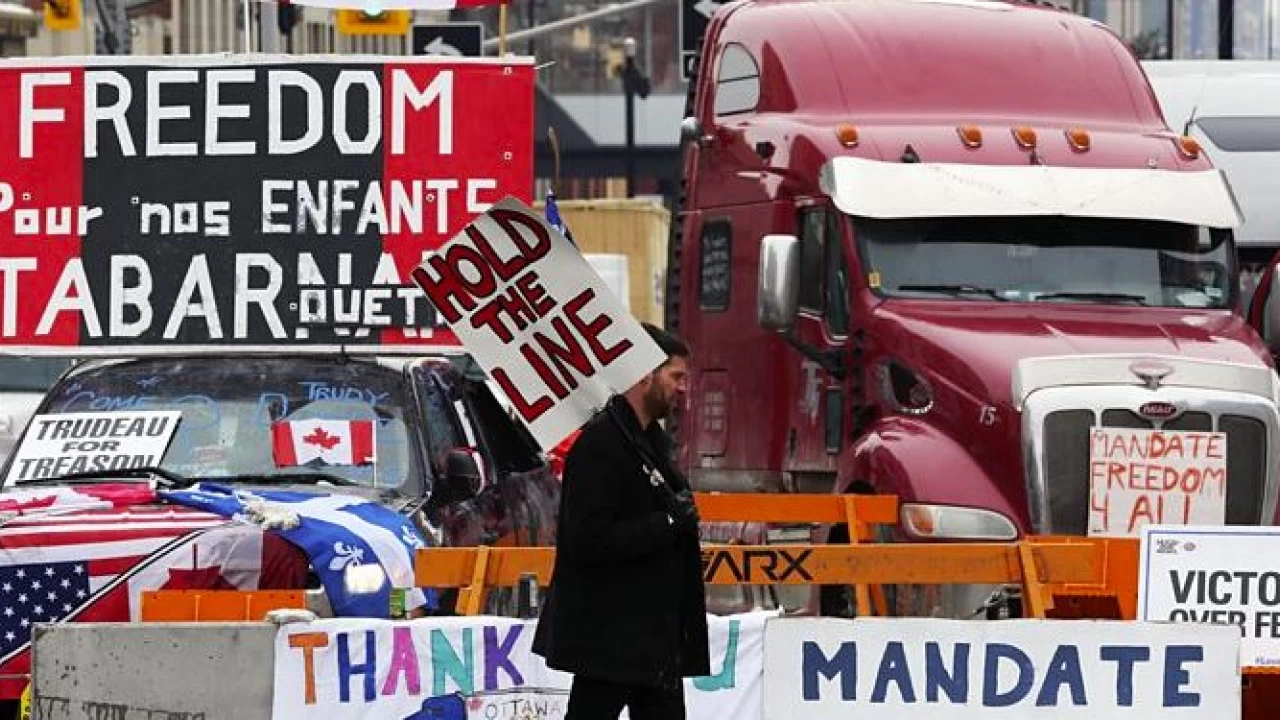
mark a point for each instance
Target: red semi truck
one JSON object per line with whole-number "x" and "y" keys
{"x": 950, "y": 250}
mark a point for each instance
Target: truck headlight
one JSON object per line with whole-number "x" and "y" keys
{"x": 364, "y": 579}
{"x": 950, "y": 522}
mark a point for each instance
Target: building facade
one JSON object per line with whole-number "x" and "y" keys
{"x": 163, "y": 27}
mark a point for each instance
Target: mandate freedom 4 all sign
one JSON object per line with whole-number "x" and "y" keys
{"x": 57, "y": 445}
{"x": 268, "y": 201}
{"x": 1224, "y": 575}
{"x": 537, "y": 318}
{"x": 908, "y": 668}
{"x": 1155, "y": 477}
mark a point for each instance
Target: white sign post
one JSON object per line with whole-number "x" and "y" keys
{"x": 1155, "y": 477}
{"x": 909, "y": 668}
{"x": 64, "y": 444}
{"x": 1223, "y": 575}
{"x": 537, "y": 317}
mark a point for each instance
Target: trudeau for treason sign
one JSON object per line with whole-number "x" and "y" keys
{"x": 258, "y": 201}
{"x": 71, "y": 443}
{"x": 537, "y": 318}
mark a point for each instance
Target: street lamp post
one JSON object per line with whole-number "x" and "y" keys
{"x": 634, "y": 83}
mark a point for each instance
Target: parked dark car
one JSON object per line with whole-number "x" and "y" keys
{"x": 448, "y": 452}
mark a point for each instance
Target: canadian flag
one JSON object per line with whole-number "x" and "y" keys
{"x": 322, "y": 442}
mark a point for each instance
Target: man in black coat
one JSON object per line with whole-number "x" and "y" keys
{"x": 626, "y": 609}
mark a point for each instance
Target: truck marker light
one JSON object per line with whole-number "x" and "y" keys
{"x": 1025, "y": 137}
{"x": 847, "y": 135}
{"x": 1078, "y": 138}
{"x": 970, "y": 135}
{"x": 873, "y": 280}
{"x": 1188, "y": 146}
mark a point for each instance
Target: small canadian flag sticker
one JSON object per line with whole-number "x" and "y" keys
{"x": 322, "y": 442}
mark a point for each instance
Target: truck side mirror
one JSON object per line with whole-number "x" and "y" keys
{"x": 462, "y": 478}
{"x": 778, "y": 295}
{"x": 691, "y": 130}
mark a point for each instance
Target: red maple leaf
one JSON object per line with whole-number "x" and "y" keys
{"x": 322, "y": 438}
{"x": 32, "y": 504}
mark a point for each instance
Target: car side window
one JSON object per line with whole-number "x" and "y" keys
{"x": 442, "y": 432}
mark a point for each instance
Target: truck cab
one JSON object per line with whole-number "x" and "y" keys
{"x": 948, "y": 250}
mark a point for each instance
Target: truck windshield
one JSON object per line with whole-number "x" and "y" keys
{"x": 228, "y": 406}
{"x": 1072, "y": 260}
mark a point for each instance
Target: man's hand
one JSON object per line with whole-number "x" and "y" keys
{"x": 684, "y": 511}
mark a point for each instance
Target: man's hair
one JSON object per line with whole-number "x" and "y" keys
{"x": 672, "y": 345}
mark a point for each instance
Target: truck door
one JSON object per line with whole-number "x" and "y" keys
{"x": 732, "y": 439}
{"x": 819, "y": 404}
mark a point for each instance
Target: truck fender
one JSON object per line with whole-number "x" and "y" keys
{"x": 910, "y": 458}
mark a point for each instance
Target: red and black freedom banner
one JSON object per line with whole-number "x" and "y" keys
{"x": 212, "y": 202}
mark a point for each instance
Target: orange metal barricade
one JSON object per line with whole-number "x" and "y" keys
{"x": 217, "y": 605}
{"x": 1062, "y": 577}
{"x": 1046, "y": 568}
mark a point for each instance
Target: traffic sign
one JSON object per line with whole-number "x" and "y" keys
{"x": 695, "y": 15}
{"x": 455, "y": 39}
{"x": 386, "y": 22}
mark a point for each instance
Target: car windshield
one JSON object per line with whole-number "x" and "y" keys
{"x": 228, "y": 407}
{"x": 1059, "y": 259}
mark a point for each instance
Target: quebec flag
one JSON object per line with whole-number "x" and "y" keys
{"x": 336, "y": 531}
{"x": 552, "y": 213}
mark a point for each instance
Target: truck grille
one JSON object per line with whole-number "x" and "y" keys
{"x": 1065, "y": 454}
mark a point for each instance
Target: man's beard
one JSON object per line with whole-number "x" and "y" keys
{"x": 656, "y": 404}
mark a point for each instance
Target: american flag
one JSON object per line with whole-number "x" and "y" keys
{"x": 38, "y": 593}
{"x": 92, "y": 566}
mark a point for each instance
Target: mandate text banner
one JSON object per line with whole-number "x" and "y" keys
{"x": 908, "y": 668}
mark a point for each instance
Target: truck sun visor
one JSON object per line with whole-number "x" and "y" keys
{"x": 876, "y": 189}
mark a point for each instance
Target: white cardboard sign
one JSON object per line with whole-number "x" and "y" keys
{"x": 1155, "y": 477}
{"x": 909, "y": 668}
{"x": 1225, "y": 575}
{"x": 67, "y": 443}
{"x": 538, "y": 319}
{"x": 476, "y": 667}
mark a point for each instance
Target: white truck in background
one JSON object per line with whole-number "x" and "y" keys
{"x": 1233, "y": 108}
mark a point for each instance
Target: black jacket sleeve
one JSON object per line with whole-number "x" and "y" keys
{"x": 597, "y": 527}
